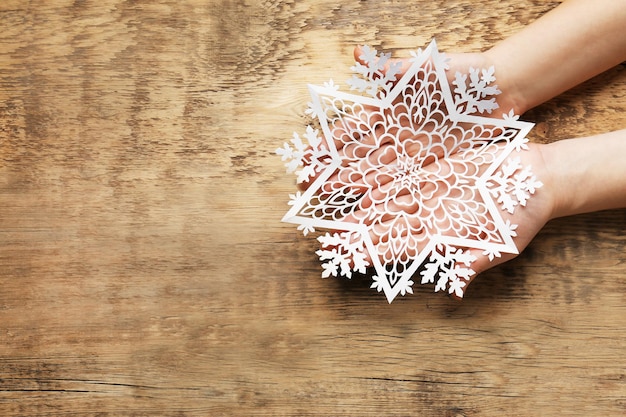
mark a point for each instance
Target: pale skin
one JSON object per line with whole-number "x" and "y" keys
{"x": 572, "y": 43}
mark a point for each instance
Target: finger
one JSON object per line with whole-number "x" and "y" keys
{"x": 355, "y": 123}
{"x": 404, "y": 63}
{"x": 352, "y": 138}
{"x": 363, "y": 161}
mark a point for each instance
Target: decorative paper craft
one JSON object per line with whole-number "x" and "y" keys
{"x": 406, "y": 176}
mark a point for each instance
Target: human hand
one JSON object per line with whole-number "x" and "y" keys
{"x": 404, "y": 204}
{"x": 407, "y": 172}
{"x": 508, "y": 99}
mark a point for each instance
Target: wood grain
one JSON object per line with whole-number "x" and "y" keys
{"x": 144, "y": 270}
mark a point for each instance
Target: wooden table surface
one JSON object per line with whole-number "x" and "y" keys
{"x": 144, "y": 270}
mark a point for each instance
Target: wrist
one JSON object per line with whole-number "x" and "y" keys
{"x": 512, "y": 96}
{"x": 587, "y": 174}
{"x": 554, "y": 180}
{"x": 509, "y": 98}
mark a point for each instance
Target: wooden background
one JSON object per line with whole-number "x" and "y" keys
{"x": 144, "y": 270}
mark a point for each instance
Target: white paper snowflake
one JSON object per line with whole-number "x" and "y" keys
{"x": 408, "y": 174}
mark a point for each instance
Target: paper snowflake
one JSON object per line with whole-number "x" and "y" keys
{"x": 408, "y": 176}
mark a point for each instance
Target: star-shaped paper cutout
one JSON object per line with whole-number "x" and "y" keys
{"x": 410, "y": 175}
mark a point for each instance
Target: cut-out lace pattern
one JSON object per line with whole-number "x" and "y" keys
{"x": 409, "y": 174}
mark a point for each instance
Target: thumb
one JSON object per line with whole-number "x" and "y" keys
{"x": 482, "y": 263}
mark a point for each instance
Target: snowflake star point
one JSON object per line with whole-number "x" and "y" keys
{"x": 409, "y": 173}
